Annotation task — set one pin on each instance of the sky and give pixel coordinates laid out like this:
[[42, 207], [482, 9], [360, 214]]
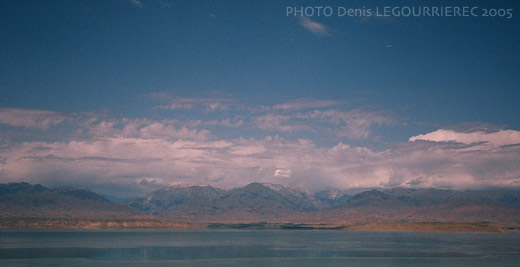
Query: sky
[[127, 96]]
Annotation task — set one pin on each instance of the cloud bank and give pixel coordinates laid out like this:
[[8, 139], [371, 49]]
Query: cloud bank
[[133, 156]]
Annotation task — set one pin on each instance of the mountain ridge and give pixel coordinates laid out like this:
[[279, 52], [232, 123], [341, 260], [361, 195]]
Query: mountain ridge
[[262, 202], [26, 200]]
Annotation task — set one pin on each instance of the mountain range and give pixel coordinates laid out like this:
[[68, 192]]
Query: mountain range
[[500, 207], [24, 200], [253, 202], [262, 202]]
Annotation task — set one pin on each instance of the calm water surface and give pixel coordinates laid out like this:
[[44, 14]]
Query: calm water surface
[[256, 248]]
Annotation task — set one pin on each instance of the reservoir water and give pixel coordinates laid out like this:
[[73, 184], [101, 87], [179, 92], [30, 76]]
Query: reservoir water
[[256, 248]]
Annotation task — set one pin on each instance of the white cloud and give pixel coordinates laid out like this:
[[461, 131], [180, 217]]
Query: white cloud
[[142, 128], [136, 3], [353, 124], [247, 150], [301, 104], [314, 27], [31, 118], [498, 138], [160, 130], [143, 153], [209, 103], [279, 122], [236, 122], [283, 173], [310, 115], [235, 162]]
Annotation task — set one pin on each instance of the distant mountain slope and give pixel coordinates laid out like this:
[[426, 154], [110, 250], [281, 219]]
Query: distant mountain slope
[[160, 200], [262, 202], [277, 203], [428, 205], [25, 200], [330, 198], [256, 201]]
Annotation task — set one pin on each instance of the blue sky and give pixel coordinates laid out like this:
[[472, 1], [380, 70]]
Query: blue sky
[[233, 74]]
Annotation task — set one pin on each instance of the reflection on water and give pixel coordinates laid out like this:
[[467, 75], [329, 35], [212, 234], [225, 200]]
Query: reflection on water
[[259, 248]]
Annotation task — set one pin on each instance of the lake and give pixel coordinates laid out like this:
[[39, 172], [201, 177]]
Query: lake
[[256, 248]]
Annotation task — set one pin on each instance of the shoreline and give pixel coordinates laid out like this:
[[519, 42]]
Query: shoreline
[[159, 224]]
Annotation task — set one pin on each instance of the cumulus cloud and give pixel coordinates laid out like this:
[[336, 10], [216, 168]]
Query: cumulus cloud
[[353, 124], [31, 118], [283, 173], [498, 138], [142, 128], [314, 27]]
